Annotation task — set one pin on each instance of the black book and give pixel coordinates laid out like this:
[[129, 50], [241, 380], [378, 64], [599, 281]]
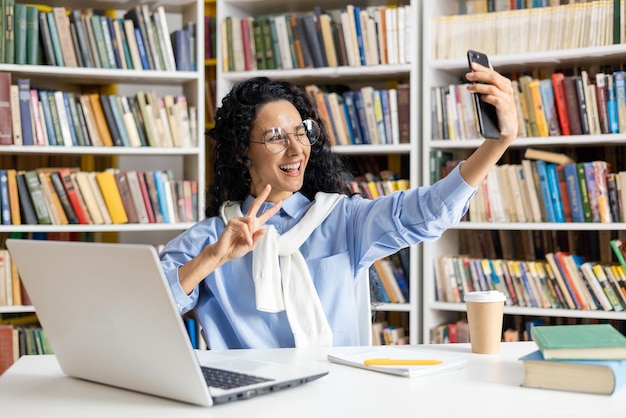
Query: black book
[[46, 40], [27, 210], [313, 41], [57, 183], [108, 115]]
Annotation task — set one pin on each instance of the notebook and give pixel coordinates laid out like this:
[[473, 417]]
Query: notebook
[[110, 317], [396, 360]]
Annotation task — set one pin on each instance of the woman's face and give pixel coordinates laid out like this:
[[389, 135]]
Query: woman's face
[[284, 171]]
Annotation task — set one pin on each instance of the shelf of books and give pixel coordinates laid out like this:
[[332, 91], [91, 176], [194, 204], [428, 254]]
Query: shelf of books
[[100, 108], [545, 224], [356, 61]]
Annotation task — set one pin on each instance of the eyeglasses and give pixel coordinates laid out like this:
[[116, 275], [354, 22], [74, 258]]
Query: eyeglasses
[[277, 139]]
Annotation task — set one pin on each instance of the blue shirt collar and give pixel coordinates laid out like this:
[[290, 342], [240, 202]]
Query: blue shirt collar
[[295, 206]]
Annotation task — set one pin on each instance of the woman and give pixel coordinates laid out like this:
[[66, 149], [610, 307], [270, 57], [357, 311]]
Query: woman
[[275, 261]]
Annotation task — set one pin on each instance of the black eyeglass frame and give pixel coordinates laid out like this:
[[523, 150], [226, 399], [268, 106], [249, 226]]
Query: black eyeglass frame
[[312, 132]]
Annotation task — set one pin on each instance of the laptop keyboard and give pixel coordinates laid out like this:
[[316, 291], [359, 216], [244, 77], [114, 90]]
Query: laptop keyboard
[[227, 379]]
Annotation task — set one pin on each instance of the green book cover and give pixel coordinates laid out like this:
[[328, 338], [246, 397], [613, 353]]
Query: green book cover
[[32, 35], [580, 342], [119, 23], [19, 33], [96, 27], [37, 197], [56, 121], [54, 37], [75, 119], [616, 245], [584, 195], [9, 32], [259, 45]]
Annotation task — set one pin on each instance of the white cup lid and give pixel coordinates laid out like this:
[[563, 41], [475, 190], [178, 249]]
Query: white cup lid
[[485, 296]]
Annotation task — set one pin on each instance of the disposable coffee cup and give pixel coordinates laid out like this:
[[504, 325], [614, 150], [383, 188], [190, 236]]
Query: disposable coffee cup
[[484, 316]]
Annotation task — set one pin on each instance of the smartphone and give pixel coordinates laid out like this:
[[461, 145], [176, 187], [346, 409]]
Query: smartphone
[[486, 112]]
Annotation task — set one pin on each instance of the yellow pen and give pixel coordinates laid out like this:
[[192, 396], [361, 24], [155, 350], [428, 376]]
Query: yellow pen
[[401, 362]]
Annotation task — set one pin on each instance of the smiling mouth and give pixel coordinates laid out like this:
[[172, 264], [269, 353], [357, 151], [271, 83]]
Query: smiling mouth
[[288, 168]]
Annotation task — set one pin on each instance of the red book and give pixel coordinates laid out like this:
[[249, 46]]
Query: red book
[[565, 197], [6, 127], [404, 112], [561, 103], [6, 347], [569, 280], [145, 196], [72, 194]]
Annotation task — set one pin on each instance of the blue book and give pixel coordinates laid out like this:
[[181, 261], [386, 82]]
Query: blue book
[[5, 205], [384, 100], [545, 190], [380, 118], [620, 98], [360, 110], [379, 294], [359, 34], [611, 105], [70, 117], [549, 106], [573, 187], [23, 86], [586, 376], [141, 47], [555, 192], [526, 279], [47, 117], [180, 45], [353, 117], [159, 182], [192, 330], [119, 120], [109, 32]]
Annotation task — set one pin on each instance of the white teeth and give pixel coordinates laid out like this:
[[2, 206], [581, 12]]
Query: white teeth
[[290, 166]]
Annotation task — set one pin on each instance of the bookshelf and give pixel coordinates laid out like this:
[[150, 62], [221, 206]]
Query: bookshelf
[[441, 71], [186, 162], [403, 156]]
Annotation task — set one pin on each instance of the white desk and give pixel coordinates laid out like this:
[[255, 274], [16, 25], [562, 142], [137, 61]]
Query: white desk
[[489, 386]]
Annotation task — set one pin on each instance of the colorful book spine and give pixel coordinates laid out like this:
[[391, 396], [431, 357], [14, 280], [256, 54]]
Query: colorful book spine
[[573, 187]]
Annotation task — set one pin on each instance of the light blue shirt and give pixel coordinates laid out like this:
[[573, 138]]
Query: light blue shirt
[[356, 233]]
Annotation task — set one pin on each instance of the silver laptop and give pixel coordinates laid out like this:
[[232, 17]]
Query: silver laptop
[[110, 318]]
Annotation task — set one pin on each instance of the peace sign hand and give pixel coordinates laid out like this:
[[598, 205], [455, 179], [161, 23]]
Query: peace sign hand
[[242, 234]]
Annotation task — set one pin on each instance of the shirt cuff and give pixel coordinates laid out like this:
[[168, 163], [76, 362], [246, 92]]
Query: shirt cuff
[[454, 190], [183, 301]]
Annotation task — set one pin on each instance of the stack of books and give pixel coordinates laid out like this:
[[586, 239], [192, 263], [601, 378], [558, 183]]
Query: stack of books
[[580, 358]]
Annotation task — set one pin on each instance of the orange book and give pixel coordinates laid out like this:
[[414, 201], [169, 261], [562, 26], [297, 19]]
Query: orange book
[[112, 197], [101, 122], [14, 200], [569, 279], [56, 209], [561, 102]]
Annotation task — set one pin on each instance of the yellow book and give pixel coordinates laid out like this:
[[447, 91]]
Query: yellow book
[[527, 106], [14, 200], [112, 197], [537, 108]]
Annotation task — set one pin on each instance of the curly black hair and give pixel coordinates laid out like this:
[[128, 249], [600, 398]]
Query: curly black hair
[[325, 171]]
